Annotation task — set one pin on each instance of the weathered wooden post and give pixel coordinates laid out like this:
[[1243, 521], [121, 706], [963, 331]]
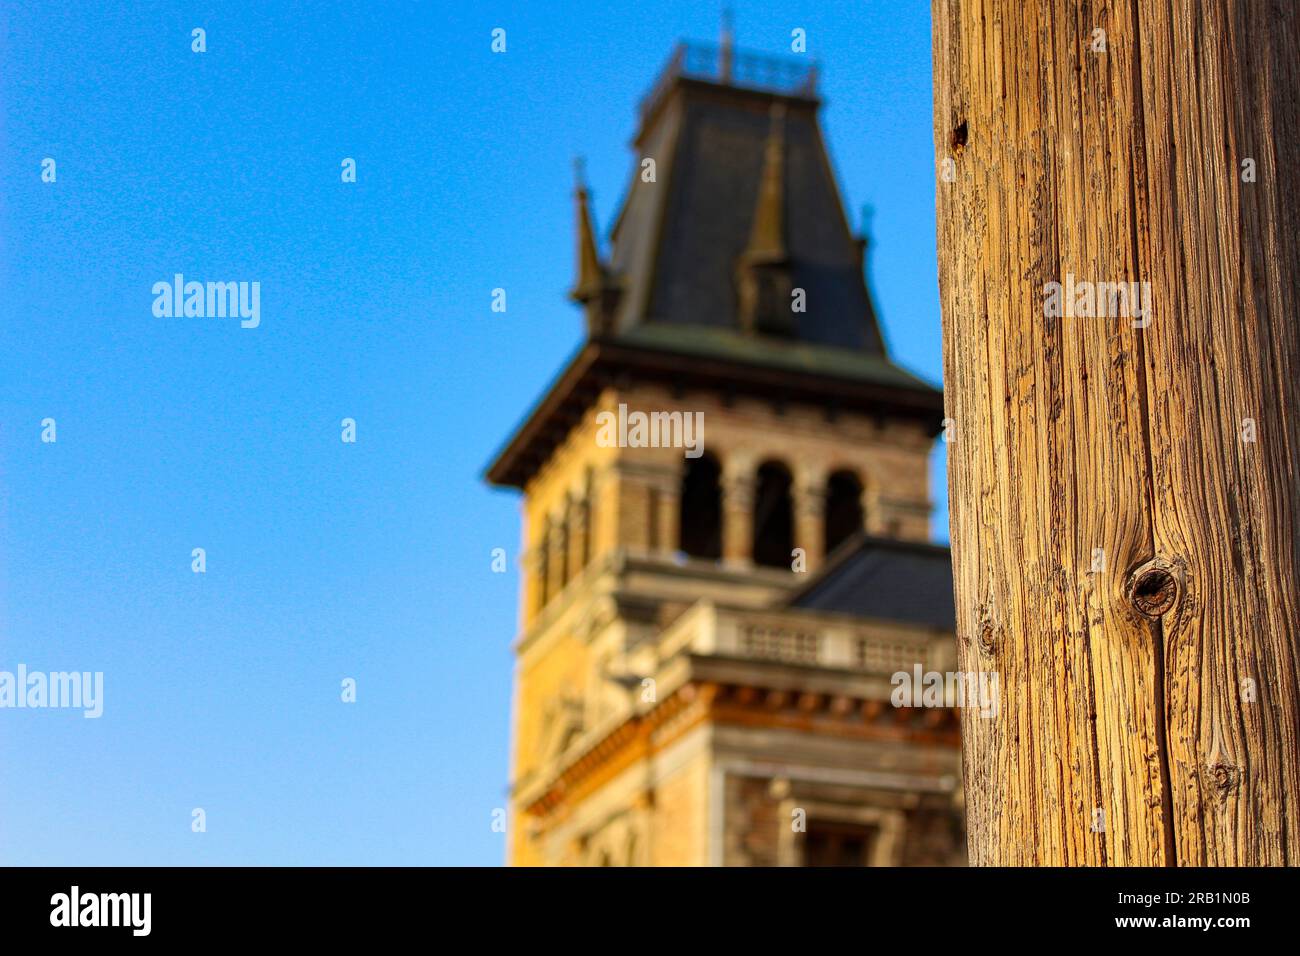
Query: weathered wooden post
[[1124, 460]]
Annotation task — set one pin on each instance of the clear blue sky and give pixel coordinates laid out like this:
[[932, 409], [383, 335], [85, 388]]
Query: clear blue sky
[[325, 560]]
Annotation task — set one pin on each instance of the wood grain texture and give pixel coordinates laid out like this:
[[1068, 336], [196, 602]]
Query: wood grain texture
[[1084, 449]]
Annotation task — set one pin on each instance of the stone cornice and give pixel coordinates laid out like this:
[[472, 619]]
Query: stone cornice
[[744, 705]]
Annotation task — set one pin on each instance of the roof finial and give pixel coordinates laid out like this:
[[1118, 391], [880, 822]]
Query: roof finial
[[590, 271], [725, 51], [863, 243], [767, 235], [764, 270]]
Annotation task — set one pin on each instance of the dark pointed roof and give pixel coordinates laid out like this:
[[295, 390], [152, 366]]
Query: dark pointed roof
[[677, 240]]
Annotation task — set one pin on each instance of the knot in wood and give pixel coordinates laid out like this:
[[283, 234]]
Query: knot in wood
[[1153, 589], [1224, 777], [960, 134]]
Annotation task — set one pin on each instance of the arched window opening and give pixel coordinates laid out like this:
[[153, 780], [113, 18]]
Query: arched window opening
[[843, 508], [773, 521], [562, 559], [586, 518], [701, 508], [543, 564]]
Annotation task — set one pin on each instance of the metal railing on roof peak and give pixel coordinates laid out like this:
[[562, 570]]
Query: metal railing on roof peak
[[722, 63]]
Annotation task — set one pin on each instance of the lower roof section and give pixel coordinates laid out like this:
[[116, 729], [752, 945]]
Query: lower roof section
[[885, 579]]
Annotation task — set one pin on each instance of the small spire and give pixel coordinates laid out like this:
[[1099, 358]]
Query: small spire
[[864, 234], [763, 273], [767, 234], [590, 271], [725, 48], [596, 290]]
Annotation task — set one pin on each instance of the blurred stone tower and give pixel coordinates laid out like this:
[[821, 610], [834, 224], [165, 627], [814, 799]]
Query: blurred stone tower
[[706, 646]]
